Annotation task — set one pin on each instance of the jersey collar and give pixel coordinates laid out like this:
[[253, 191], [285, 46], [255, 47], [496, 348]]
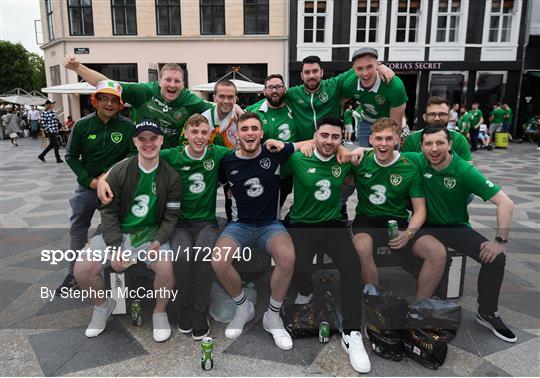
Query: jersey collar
[[373, 89], [148, 170], [322, 158], [396, 158], [265, 106], [193, 157]]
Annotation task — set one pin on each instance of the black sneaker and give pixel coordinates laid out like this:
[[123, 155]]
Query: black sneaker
[[201, 328], [69, 283], [185, 317], [494, 322]]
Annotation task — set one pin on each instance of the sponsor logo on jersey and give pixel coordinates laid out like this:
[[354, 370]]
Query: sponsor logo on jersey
[[380, 99], [178, 115], [166, 124], [154, 188], [428, 175], [265, 121], [186, 168], [370, 108], [489, 183], [312, 170], [265, 163], [395, 179], [323, 96], [367, 175], [336, 170], [92, 136], [449, 182], [209, 165], [116, 137]]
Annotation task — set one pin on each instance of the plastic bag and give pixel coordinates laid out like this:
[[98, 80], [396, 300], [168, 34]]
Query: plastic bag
[[222, 307], [304, 320], [431, 324], [385, 322]]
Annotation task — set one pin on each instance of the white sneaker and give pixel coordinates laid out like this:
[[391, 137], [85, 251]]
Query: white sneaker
[[99, 318], [275, 326], [303, 299], [162, 328], [243, 314], [354, 346]]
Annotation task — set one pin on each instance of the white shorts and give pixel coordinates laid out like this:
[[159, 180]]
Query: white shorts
[[348, 129]]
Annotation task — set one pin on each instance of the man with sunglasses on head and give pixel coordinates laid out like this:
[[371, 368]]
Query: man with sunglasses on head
[[96, 143]]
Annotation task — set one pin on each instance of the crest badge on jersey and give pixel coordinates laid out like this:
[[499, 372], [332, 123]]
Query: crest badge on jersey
[[323, 96], [336, 171], [449, 182], [116, 137], [380, 99], [395, 179], [178, 115], [154, 188], [265, 163], [209, 165]]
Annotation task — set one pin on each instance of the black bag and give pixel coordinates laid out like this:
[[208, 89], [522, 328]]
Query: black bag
[[304, 320], [385, 322], [431, 324]]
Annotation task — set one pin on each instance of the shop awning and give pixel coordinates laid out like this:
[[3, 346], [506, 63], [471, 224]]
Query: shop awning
[[21, 97], [73, 88]]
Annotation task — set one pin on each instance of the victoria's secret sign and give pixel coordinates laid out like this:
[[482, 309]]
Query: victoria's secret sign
[[413, 66]]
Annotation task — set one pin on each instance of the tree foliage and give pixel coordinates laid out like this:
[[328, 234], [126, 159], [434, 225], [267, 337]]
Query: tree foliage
[[20, 68]]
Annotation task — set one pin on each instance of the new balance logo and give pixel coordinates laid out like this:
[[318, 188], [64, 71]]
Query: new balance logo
[[92, 136], [311, 170], [367, 175], [428, 175], [234, 172], [185, 168]]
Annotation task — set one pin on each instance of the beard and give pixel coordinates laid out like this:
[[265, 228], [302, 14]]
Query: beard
[[275, 103], [437, 124]]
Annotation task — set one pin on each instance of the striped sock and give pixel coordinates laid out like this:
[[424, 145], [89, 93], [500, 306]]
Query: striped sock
[[240, 299], [274, 306]]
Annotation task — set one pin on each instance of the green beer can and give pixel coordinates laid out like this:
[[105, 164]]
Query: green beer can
[[136, 312], [324, 332], [393, 230], [207, 359]]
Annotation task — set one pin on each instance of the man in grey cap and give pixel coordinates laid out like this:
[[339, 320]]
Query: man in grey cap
[[377, 98]]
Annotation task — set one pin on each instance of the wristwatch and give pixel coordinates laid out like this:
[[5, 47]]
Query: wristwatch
[[410, 234], [500, 240]]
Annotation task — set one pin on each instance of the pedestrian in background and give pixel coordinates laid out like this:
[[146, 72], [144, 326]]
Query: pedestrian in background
[[13, 126], [33, 118], [49, 122]]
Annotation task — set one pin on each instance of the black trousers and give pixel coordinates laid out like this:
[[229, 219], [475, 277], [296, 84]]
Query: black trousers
[[335, 240], [53, 143], [467, 241], [474, 138]]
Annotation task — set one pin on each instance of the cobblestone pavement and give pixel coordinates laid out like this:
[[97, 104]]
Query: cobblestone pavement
[[39, 337]]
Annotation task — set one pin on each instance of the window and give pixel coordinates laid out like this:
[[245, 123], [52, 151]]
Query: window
[[50, 19], [448, 20], [55, 75], [168, 17], [367, 20], [500, 20], [212, 17], [408, 16], [124, 17], [80, 17], [255, 16], [315, 13]]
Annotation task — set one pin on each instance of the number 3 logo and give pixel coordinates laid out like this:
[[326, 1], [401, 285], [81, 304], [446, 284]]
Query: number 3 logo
[[379, 197], [324, 192], [198, 185], [140, 209], [255, 187]]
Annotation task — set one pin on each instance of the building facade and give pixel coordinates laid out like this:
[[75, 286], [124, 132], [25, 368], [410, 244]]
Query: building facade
[[464, 50], [129, 40]]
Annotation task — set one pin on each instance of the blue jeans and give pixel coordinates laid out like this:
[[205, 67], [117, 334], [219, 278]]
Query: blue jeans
[[247, 235]]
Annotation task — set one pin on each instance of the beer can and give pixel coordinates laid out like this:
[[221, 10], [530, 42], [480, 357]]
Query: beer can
[[207, 358], [324, 332], [136, 312], [393, 230]]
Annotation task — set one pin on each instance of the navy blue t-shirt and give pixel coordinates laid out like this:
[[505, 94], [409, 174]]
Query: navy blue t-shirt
[[255, 184]]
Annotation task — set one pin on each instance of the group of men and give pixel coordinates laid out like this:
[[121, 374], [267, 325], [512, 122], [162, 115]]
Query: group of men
[[164, 196]]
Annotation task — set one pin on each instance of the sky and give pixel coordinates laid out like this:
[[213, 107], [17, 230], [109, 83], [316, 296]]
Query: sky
[[17, 23]]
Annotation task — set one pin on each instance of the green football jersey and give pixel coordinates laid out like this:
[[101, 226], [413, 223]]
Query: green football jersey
[[508, 115], [141, 220], [384, 191], [377, 101], [348, 117], [498, 115], [447, 191], [464, 123], [308, 108], [460, 145], [277, 123], [475, 116], [148, 103], [199, 180], [317, 187]]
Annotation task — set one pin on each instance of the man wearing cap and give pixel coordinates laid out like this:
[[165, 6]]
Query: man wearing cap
[[377, 97], [166, 101], [96, 142], [139, 220], [49, 123]]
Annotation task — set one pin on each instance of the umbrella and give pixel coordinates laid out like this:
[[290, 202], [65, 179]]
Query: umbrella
[[21, 97], [242, 86], [73, 88]]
